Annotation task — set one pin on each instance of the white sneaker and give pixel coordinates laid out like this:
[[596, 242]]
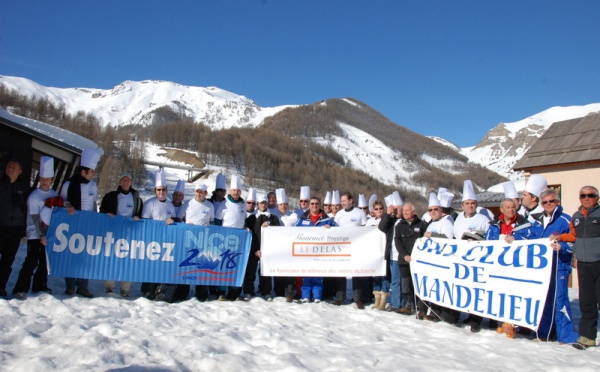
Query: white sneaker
[[305, 300], [317, 301]]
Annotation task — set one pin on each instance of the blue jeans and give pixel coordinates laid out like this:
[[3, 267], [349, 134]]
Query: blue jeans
[[395, 285]]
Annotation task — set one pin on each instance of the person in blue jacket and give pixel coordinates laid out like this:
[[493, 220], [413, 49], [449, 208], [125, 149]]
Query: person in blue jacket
[[556, 317], [314, 217]]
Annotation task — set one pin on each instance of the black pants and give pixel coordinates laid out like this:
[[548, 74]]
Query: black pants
[[588, 274], [10, 238], [265, 284], [36, 257], [250, 275]]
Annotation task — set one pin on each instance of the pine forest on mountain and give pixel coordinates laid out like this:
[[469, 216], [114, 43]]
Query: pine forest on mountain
[[279, 153]]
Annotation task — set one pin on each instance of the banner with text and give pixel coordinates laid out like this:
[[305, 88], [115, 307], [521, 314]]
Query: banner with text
[[492, 279], [322, 252], [96, 246]]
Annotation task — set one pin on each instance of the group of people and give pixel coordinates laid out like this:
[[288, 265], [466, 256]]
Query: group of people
[[536, 213]]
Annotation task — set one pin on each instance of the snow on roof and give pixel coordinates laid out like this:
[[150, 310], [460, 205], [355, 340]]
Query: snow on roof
[[57, 136]]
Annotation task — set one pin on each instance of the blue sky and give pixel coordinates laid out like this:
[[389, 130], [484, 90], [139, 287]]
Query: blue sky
[[453, 69]]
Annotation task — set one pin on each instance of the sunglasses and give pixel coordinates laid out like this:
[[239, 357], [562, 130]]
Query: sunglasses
[[591, 196], [378, 209], [364, 208], [161, 189], [250, 203], [549, 201], [315, 203], [433, 210]]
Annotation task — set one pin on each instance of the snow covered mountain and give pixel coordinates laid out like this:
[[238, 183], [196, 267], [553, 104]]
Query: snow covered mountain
[[505, 144], [143, 102]]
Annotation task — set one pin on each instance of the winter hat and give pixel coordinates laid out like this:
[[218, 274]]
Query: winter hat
[[159, 179], [220, 182], [433, 200], [335, 198], [251, 195], [510, 191], [397, 199], [536, 184], [201, 186], [362, 201], [89, 158], [281, 196], [305, 193], [327, 199], [469, 191], [236, 182], [446, 200], [46, 167], [128, 175], [180, 187]]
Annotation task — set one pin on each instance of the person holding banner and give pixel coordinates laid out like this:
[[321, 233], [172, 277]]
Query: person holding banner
[[350, 216], [36, 235], [441, 226], [262, 218], [81, 193], [389, 286], [218, 198], [530, 198], [509, 226], [284, 286], [159, 208], [584, 231], [199, 211], [177, 199], [314, 217], [234, 216], [556, 317], [407, 231], [124, 202]]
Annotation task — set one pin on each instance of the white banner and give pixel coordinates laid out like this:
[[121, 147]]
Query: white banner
[[322, 252], [492, 279]]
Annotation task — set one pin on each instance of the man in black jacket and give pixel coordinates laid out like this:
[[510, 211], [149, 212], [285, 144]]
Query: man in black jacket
[[125, 202], [408, 230], [13, 212]]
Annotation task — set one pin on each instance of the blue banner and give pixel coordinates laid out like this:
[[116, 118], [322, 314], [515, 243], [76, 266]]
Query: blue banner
[[91, 245]]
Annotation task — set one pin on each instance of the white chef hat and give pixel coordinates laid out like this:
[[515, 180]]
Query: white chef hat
[[220, 182], [236, 182], [536, 184], [335, 198], [362, 201], [46, 167], [201, 186], [261, 198], [89, 158], [159, 179], [510, 191], [327, 199], [305, 193], [397, 199], [251, 195], [281, 196], [469, 191], [372, 200], [446, 200], [389, 200], [180, 187], [433, 200]]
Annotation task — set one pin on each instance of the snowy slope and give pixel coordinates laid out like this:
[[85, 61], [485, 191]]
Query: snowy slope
[[136, 101], [505, 144]]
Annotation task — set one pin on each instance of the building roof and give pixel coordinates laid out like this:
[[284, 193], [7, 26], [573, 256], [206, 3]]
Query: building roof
[[565, 142], [59, 137]]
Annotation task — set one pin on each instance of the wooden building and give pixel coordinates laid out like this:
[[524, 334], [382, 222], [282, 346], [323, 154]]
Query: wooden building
[[28, 140]]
